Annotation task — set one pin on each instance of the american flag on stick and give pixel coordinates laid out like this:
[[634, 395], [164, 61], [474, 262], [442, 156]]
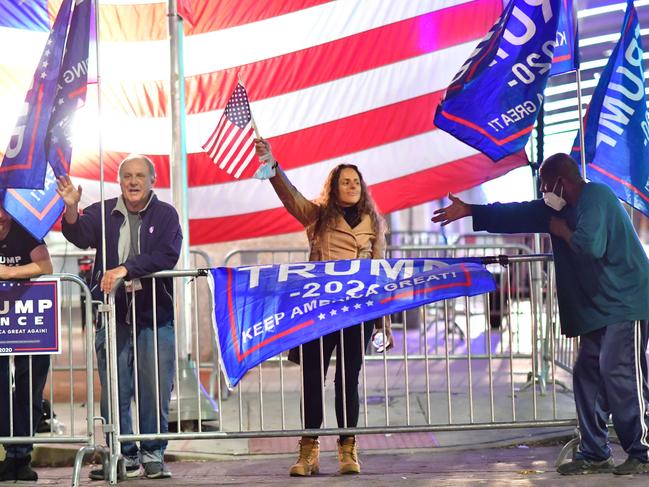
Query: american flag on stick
[[231, 145]]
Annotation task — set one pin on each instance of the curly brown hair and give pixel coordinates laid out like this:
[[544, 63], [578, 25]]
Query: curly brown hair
[[328, 201]]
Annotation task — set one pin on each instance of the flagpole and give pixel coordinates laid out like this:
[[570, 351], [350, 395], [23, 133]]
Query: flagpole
[[254, 125], [99, 140], [252, 119], [177, 167], [582, 148], [189, 392], [111, 351]]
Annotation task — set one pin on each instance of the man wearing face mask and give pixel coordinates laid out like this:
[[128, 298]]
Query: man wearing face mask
[[603, 293]]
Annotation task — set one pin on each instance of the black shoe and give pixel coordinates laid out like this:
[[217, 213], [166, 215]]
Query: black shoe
[[23, 469], [18, 469], [132, 471], [631, 466], [583, 467], [7, 469], [97, 474]]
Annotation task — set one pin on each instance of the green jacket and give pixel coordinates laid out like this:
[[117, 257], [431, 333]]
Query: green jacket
[[603, 275]]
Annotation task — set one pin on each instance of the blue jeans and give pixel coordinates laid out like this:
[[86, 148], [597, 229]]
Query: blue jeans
[[150, 450], [40, 366]]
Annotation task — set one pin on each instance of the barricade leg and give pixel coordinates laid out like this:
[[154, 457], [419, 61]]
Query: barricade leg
[[568, 451], [78, 461], [110, 390]]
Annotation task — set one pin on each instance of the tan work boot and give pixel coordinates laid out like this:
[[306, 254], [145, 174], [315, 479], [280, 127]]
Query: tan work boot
[[348, 456], [309, 460]]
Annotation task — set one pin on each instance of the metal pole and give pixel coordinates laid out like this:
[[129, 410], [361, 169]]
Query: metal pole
[[100, 148], [178, 167], [110, 350], [582, 149], [540, 135], [187, 400]]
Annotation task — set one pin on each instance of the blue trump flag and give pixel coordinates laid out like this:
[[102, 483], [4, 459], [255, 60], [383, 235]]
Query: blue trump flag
[[24, 163], [71, 92], [261, 311], [616, 134], [38, 209], [494, 100], [566, 50]]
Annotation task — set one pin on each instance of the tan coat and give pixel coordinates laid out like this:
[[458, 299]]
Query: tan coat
[[339, 240]]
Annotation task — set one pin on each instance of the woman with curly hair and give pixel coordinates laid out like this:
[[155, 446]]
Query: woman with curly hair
[[343, 223]]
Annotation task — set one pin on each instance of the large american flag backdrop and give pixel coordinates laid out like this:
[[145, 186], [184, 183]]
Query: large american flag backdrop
[[329, 81]]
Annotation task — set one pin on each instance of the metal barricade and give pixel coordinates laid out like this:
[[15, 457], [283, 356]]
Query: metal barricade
[[518, 286], [413, 317], [199, 295], [69, 389], [436, 381], [114, 376], [484, 238], [421, 237]]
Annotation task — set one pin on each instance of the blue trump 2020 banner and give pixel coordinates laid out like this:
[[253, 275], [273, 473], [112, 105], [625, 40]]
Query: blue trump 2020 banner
[[30, 317], [616, 135], [38, 209], [25, 161], [494, 100], [566, 50], [261, 311]]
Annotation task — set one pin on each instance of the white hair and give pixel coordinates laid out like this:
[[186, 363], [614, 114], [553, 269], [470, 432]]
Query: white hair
[[134, 157]]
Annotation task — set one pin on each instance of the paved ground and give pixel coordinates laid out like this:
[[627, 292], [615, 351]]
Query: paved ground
[[519, 465], [417, 395]]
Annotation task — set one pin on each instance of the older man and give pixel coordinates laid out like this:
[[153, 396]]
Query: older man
[[142, 236], [603, 294], [21, 257]]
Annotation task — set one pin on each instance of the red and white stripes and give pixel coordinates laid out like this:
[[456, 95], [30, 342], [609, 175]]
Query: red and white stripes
[[350, 80]]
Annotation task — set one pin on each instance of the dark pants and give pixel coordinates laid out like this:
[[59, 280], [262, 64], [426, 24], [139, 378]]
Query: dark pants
[[21, 403], [610, 379], [312, 385]]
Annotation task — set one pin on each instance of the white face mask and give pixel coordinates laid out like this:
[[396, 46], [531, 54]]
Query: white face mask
[[552, 200]]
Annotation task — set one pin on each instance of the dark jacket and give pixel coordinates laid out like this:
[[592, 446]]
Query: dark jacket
[[602, 275], [160, 239]]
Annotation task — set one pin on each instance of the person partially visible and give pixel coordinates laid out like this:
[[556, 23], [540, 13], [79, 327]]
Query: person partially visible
[[143, 236], [602, 274], [21, 257], [342, 224]]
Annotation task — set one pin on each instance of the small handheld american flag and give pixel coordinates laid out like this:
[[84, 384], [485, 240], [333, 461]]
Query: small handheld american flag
[[232, 144]]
